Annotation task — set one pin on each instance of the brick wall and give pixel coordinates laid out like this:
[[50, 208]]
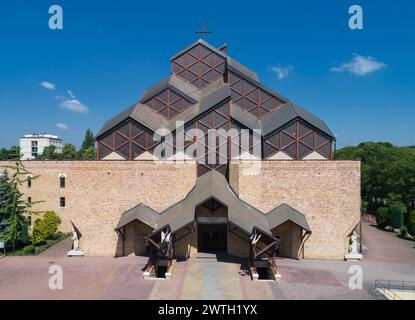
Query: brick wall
[[98, 192], [326, 192]]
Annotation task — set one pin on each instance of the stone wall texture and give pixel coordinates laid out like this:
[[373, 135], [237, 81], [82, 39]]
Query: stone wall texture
[[326, 192], [97, 193]]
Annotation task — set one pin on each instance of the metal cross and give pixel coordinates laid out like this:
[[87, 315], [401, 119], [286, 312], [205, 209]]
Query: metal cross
[[203, 32]]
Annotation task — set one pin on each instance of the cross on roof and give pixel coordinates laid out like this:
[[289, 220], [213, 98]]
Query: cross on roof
[[203, 32]]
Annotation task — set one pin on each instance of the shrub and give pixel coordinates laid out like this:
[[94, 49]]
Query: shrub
[[28, 250], [411, 223], [395, 214], [51, 221], [403, 232], [364, 206], [382, 217], [39, 232], [46, 228], [59, 236]]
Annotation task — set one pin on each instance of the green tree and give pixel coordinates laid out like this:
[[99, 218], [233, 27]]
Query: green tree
[[382, 216], [39, 232], [69, 152], [14, 208], [395, 214], [363, 207], [411, 223], [45, 228], [388, 173], [51, 221], [49, 153], [89, 140], [88, 154], [10, 154], [87, 151], [5, 189]]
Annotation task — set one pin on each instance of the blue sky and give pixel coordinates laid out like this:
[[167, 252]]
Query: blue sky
[[361, 82]]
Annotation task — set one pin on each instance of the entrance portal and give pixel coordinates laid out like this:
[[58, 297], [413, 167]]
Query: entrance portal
[[212, 226], [212, 237]]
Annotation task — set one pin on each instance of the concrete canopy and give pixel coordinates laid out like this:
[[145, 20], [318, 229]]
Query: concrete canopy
[[214, 185], [141, 213], [284, 213]]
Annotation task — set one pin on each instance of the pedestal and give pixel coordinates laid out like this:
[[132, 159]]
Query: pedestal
[[353, 257], [74, 253]]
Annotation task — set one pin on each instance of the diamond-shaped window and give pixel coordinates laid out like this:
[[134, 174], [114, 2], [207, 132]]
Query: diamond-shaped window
[[168, 103], [199, 66]]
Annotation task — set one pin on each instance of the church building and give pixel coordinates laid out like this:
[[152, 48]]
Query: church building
[[209, 159]]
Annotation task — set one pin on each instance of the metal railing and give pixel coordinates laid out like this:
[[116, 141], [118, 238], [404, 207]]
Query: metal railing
[[388, 285]]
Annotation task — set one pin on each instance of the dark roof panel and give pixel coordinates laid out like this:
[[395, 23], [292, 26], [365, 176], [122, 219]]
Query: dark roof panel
[[209, 97], [238, 67], [116, 120], [141, 213], [175, 83], [287, 113], [200, 41], [285, 213]]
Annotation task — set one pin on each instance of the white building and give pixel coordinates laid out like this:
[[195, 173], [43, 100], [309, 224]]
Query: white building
[[32, 145]]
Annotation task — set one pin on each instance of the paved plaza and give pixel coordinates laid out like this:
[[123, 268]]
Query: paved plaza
[[386, 257]]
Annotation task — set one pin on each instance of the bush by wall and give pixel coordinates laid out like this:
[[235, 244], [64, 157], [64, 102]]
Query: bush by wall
[[46, 228], [395, 214], [28, 250], [382, 216], [39, 232], [411, 223], [52, 221]]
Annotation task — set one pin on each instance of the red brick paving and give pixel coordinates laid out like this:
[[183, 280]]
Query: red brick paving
[[386, 257], [384, 246]]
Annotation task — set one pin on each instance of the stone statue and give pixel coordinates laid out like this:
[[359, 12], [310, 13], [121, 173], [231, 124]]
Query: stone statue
[[353, 251], [75, 245], [75, 252], [353, 243]]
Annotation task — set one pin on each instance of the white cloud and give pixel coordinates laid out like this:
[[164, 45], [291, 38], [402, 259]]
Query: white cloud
[[360, 65], [281, 72], [48, 85], [71, 95], [74, 105], [62, 126]]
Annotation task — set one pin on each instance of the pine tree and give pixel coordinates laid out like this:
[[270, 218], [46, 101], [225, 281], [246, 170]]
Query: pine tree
[[13, 209], [89, 140], [87, 151], [5, 189], [69, 152]]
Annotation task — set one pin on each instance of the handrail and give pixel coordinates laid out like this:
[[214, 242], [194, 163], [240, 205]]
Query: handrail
[[387, 285], [397, 284]]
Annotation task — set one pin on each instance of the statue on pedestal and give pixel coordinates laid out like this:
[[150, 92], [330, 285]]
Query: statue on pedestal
[[75, 252], [353, 251]]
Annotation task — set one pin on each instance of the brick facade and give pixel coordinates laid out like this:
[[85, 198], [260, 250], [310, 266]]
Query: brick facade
[[98, 192], [326, 192]]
